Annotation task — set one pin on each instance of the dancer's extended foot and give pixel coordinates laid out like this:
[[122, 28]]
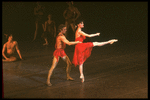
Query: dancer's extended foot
[[45, 44], [69, 78], [82, 79], [112, 41], [48, 83]]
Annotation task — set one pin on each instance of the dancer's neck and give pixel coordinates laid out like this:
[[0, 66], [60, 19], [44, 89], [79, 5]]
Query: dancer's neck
[[79, 29]]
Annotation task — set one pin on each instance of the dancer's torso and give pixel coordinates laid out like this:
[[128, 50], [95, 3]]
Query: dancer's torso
[[59, 43], [71, 14], [11, 47], [50, 26], [79, 37]]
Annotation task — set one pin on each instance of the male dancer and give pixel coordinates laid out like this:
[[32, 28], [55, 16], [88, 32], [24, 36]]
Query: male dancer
[[59, 52]]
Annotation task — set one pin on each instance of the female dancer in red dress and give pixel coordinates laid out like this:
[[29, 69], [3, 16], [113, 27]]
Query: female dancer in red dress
[[83, 50]]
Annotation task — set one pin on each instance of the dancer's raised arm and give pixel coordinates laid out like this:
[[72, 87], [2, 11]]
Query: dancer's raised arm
[[88, 35]]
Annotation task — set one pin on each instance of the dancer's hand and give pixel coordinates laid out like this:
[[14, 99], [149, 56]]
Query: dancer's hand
[[98, 34], [79, 42], [7, 58], [21, 57]]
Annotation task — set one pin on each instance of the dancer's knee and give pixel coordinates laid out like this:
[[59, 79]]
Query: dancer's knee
[[68, 61], [13, 58]]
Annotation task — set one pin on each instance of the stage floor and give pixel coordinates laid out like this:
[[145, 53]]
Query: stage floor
[[112, 71]]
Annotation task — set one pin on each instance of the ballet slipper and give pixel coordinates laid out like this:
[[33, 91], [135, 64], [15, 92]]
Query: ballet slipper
[[48, 83], [69, 78], [82, 79]]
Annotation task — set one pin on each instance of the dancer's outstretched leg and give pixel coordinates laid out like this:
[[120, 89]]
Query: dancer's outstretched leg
[[68, 69], [81, 72], [51, 70], [104, 43], [73, 27], [36, 28]]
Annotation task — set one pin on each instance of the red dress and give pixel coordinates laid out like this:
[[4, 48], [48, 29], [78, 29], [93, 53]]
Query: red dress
[[59, 52], [82, 51]]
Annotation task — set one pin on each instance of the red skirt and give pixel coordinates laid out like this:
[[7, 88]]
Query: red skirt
[[82, 52], [59, 53]]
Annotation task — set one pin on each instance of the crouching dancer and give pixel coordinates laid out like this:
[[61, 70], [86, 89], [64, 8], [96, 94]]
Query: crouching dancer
[[10, 46]]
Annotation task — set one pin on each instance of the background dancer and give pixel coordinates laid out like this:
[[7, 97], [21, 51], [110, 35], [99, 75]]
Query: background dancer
[[39, 13], [49, 31], [71, 14]]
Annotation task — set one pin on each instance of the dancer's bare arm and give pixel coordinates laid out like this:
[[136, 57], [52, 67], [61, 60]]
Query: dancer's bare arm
[[88, 35], [78, 13], [64, 14], [44, 26], [4, 48], [54, 29], [17, 49], [63, 38]]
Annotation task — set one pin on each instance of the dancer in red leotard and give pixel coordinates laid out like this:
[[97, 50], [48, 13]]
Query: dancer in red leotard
[[83, 50]]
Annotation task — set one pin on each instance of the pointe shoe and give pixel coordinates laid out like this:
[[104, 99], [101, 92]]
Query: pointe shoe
[[48, 83], [69, 78], [82, 79], [113, 40]]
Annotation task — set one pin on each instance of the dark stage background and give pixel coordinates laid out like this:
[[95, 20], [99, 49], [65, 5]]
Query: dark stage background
[[125, 21]]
